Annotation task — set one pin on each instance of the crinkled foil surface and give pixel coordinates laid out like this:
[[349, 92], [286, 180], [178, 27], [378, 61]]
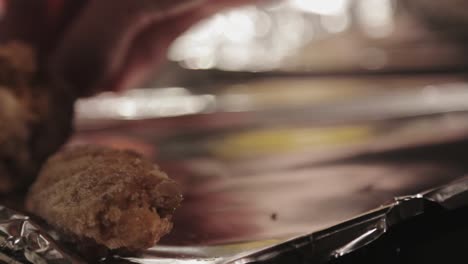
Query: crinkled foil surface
[[280, 186], [23, 241]]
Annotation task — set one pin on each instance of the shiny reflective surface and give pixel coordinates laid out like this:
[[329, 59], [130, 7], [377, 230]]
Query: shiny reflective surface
[[252, 190], [322, 99], [23, 241], [339, 243], [261, 167], [316, 36]]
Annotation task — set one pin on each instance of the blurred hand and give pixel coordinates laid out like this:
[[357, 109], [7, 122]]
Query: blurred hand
[[95, 45]]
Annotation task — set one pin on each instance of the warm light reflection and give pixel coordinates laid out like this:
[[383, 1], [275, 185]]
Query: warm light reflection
[[240, 26], [376, 17], [145, 103], [322, 7], [250, 37], [177, 101], [266, 37]]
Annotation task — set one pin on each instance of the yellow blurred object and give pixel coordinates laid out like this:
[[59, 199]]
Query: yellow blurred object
[[277, 92], [265, 142]]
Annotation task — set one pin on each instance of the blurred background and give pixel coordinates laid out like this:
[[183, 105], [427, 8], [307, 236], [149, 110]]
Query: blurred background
[[299, 52], [290, 116]]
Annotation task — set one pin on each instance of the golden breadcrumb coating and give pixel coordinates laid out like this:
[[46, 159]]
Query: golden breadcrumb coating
[[114, 198]]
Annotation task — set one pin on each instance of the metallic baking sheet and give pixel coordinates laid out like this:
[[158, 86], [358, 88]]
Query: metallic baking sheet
[[23, 241], [261, 184]]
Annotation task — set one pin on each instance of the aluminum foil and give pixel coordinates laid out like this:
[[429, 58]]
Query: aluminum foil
[[23, 241], [241, 185]]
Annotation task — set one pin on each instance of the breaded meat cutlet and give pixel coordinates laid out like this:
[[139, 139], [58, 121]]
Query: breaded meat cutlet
[[114, 198], [35, 119]]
